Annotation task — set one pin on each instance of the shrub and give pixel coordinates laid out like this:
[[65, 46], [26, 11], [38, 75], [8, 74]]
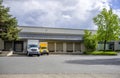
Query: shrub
[[90, 41], [101, 53]]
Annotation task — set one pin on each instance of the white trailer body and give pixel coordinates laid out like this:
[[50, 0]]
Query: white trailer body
[[36, 42], [33, 47]]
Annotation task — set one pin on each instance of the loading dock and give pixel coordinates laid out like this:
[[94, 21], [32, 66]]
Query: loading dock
[[51, 47], [8, 45], [77, 47], [59, 39], [59, 46], [18, 46], [69, 47]]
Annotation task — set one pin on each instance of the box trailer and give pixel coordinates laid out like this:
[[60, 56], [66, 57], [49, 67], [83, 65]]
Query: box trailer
[[33, 47]]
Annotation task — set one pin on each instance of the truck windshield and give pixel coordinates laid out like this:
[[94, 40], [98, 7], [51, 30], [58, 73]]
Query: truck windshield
[[43, 47], [32, 46]]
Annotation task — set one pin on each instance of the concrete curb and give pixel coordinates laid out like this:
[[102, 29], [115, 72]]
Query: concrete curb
[[85, 75]]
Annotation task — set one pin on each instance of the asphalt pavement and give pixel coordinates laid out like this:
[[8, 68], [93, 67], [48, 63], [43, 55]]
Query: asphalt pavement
[[80, 65]]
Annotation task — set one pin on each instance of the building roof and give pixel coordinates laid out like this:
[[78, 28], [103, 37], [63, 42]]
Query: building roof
[[48, 30]]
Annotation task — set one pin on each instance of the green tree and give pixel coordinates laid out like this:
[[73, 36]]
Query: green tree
[[90, 41], [108, 26], [8, 24]]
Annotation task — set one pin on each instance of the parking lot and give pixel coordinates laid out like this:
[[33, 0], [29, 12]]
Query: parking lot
[[60, 64]]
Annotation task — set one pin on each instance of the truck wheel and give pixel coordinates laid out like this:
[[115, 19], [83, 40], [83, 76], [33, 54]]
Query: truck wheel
[[47, 53], [38, 55], [28, 54]]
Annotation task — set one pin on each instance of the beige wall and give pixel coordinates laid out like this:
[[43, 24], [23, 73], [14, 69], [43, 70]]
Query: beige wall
[[64, 46], [25, 46], [1, 44]]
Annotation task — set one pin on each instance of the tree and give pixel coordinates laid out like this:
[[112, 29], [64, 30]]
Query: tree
[[8, 25], [108, 26], [90, 41]]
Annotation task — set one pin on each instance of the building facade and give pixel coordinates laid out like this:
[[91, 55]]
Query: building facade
[[59, 39]]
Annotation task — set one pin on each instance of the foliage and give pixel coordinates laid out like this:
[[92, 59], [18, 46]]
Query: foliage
[[90, 41], [8, 24], [101, 53], [108, 26]]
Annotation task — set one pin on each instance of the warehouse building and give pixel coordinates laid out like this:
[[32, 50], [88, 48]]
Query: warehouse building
[[59, 39]]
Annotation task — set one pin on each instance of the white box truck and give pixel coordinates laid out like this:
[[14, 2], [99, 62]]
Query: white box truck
[[33, 47]]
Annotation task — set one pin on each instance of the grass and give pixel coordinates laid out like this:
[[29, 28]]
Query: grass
[[101, 53]]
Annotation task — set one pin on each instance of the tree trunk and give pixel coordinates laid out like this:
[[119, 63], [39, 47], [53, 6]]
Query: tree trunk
[[104, 45]]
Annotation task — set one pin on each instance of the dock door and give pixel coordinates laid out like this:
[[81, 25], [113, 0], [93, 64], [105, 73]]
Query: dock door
[[18, 46]]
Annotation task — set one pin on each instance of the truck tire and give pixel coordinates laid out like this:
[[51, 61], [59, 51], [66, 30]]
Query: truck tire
[[38, 55], [47, 53], [28, 54]]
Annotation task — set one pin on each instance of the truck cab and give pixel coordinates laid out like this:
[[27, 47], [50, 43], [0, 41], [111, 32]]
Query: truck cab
[[44, 48], [33, 50]]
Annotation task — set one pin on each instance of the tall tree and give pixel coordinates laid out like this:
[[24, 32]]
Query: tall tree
[[108, 26], [90, 41], [8, 24]]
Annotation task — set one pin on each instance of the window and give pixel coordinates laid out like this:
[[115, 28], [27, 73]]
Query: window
[[119, 43], [111, 46]]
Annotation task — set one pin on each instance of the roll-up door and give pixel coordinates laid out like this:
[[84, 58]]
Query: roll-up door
[[51, 46], [18, 46], [8, 45], [69, 47], [59, 47], [77, 47]]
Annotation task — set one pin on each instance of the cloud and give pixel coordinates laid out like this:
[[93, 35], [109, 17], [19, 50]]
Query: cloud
[[57, 13]]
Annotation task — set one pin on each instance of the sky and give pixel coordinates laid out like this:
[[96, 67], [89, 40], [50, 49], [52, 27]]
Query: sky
[[75, 14]]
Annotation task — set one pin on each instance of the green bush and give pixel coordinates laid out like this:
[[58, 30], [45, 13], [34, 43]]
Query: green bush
[[101, 53], [90, 41]]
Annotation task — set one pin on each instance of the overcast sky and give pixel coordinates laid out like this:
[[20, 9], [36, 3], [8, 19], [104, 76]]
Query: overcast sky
[[77, 14]]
